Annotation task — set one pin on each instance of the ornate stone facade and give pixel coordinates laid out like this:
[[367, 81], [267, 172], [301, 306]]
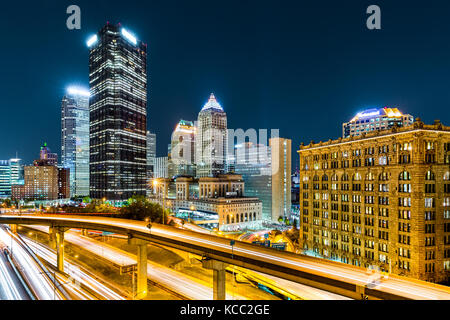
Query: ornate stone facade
[[380, 199]]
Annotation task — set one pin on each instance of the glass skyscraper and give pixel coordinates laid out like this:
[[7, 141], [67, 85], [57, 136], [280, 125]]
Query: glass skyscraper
[[151, 153], [75, 139], [182, 150], [212, 140], [5, 179], [11, 173], [118, 114]]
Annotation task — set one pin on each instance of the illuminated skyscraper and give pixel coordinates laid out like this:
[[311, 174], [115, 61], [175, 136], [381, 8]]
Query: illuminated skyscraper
[[266, 171], [182, 150], [75, 139], [118, 114], [151, 153], [211, 140], [375, 119], [5, 179]]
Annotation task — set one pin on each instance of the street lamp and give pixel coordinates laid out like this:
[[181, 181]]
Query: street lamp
[[149, 226]]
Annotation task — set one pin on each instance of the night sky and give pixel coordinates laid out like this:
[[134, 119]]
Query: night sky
[[303, 67]]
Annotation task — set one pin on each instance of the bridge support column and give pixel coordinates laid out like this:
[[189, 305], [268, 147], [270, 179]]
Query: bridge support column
[[60, 249], [52, 237], [13, 228], [361, 292], [142, 283], [219, 277]]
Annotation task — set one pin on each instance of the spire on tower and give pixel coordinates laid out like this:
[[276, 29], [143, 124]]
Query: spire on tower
[[212, 103]]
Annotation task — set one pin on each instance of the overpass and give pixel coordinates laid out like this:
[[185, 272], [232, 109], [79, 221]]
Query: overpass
[[217, 253]]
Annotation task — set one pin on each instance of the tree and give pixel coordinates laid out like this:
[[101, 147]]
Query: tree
[[140, 208], [86, 200]]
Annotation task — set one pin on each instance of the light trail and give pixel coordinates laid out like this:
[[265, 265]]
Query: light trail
[[188, 287], [7, 285], [76, 273], [407, 288], [39, 282]]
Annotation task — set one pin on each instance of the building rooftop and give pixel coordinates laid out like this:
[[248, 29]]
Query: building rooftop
[[371, 113], [212, 104], [417, 126]]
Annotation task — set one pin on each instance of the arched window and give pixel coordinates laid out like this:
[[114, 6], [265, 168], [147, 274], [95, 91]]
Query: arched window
[[334, 178], [242, 217], [404, 176], [447, 176], [325, 178], [370, 176], [246, 217], [429, 176], [254, 216], [316, 178], [305, 179], [345, 177], [228, 219], [384, 176], [356, 177]]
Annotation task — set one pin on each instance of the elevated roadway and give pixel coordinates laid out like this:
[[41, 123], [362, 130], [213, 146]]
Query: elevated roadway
[[334, 277]]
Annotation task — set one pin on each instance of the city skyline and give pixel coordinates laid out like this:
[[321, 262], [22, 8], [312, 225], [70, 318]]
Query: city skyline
[[208, 61]]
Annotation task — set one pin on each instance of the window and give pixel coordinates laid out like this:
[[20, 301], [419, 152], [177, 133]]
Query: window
[[404, 176], [429, 176]]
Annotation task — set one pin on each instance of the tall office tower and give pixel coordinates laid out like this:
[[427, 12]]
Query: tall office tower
[[151, 153], [118, 114], [75, 139], [254, 163], [5, 179], [47, 156], [17, 173], [382, 199], [182, 150], [281, 177], [151, 160], [266, 171], [211, 140], [375, 119], [161, 167]]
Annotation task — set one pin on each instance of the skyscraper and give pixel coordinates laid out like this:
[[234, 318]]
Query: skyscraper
[[266, 171], [11, 173], [118, 114], [182, 150], [211, 140], [5, 179], [16, 171], [254, 163], [151, 153], [75, 139], [281, 177]]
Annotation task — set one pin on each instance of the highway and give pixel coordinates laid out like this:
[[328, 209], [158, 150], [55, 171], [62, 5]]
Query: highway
[[77, 276], [176, 281], [11, 287], [34, 275], [330, 276]]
